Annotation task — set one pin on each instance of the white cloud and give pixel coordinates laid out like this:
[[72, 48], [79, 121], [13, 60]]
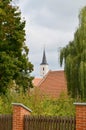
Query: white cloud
[[49, 22]]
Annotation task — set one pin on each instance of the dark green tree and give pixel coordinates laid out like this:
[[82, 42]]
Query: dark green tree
[[14, 62], [74, 57]]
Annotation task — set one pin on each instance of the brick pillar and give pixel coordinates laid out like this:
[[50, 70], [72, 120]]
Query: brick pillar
[[19, 110], [80, 116]]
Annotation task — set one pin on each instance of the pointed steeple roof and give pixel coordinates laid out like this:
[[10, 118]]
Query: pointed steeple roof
[[44, 61]]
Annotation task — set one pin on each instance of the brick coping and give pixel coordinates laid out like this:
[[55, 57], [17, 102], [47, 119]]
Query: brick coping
[[20, 104], [80, 104]]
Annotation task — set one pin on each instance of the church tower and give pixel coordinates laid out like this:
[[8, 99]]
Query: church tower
[[44, 65]]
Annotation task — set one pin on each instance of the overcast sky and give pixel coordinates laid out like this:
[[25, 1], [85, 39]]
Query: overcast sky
[[49, 23]]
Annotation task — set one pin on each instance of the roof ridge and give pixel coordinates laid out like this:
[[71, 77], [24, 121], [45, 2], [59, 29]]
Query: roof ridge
[[57, 70], [43, 79]]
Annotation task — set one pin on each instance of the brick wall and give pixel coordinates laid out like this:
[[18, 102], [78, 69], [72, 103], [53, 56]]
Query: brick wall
[[80, 116], [19, 110]]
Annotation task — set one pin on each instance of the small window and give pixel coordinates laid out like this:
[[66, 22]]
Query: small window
[[43, 68]]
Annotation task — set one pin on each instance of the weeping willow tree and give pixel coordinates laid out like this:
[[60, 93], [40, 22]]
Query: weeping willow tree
[[74, 58]]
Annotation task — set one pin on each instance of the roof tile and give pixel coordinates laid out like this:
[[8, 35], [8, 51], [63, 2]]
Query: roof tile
[[53, 84]]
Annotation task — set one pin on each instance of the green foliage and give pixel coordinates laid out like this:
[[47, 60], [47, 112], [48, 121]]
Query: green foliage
[[14, 62], [39, 105], [74, 55]]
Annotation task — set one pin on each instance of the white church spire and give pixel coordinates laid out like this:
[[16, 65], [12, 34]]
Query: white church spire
[[44, 65]]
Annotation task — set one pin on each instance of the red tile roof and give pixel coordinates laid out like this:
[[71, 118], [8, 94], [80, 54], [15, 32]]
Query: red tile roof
[[53, 84], [36, 81]]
